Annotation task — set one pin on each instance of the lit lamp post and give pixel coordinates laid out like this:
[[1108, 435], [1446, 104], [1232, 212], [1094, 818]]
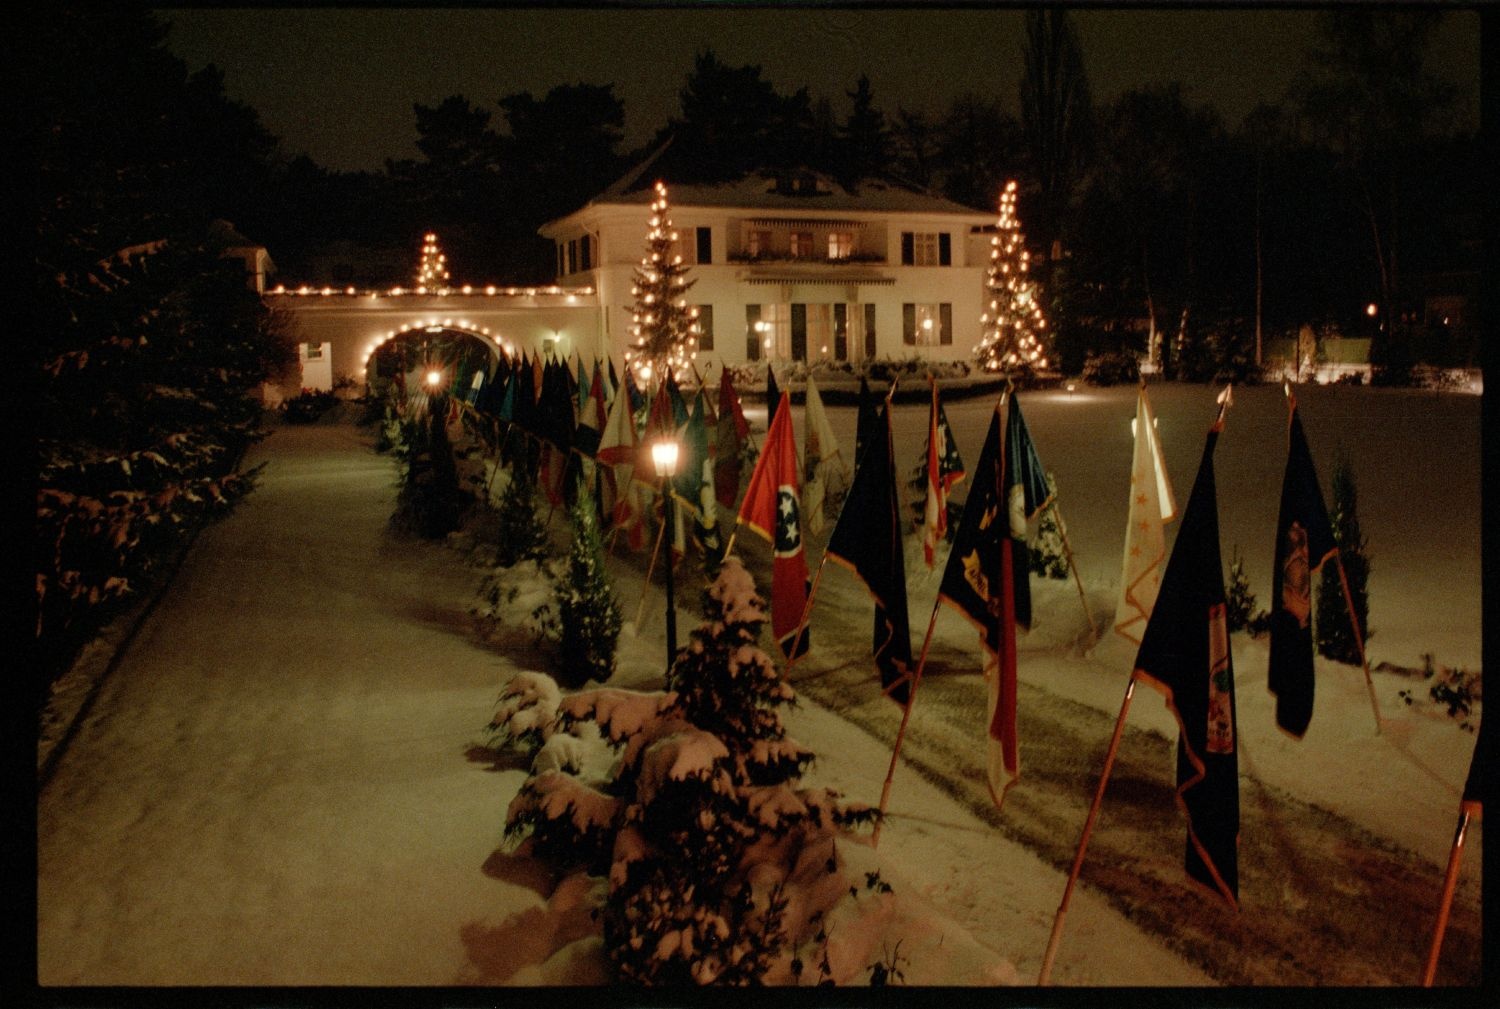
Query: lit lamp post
[[664, 458]]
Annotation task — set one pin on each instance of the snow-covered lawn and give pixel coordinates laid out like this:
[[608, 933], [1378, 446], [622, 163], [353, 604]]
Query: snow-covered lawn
[[276, 786]]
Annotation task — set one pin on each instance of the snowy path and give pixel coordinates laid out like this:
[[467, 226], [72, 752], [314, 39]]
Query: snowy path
[[273, 789]]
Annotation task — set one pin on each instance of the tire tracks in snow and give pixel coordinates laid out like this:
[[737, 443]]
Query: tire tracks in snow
[[1322, 900]]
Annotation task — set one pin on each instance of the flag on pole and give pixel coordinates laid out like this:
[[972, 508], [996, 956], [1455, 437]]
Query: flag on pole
[[733, 431], [591, 417], [822, 464], [698, 454], [977, 582], [866, 420], [944, 469], [619, 452], [771, 508], [1026, 493], [1152, 506], [867, 541], [1304, 540], [1185, 654]]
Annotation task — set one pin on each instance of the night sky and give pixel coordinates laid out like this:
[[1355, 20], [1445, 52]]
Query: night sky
[[339, 85]]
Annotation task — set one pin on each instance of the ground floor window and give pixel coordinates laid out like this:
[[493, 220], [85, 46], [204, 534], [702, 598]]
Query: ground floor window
[[705, 327], [810, 332], [926, 325]]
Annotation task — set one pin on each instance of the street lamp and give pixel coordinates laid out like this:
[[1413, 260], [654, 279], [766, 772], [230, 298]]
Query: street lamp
[[664, 458]]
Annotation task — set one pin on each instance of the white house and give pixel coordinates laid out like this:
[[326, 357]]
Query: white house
[[795, 269], [788, 270]]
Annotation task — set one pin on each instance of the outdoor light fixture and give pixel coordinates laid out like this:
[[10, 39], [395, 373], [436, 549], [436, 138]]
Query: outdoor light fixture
[[664, 458], [434, 378], [1371, 309]]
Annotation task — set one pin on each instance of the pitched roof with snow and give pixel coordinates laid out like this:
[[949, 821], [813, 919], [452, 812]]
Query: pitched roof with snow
[[766, 190]]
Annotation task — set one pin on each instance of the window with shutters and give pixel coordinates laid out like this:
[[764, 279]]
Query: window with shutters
[[573, 257], [705, 245], [840, 244], [802, 244], [758, 242]]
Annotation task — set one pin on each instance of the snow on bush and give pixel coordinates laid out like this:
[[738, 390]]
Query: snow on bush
[[704, 837], [525, 713]]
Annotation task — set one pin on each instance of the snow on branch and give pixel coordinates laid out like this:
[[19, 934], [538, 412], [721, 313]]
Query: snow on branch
[[620, 713]]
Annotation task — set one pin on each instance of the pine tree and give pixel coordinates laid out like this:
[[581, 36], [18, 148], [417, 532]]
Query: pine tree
[[703, 791], [1048, 558], [432, 271], [1013, 324], [1239, 600], [520, 535], [663, 326], [1335, 635], [588, 612]]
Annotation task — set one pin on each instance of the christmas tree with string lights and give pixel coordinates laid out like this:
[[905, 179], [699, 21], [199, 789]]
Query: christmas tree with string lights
[[432, 272], [664, 328], [1014, 324]]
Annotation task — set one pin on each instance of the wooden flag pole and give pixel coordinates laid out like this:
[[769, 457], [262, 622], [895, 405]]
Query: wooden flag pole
[[1450, 881], [1062, 531], [911, 697], [1045, 976], [1359, 640], [650, 568], [812, 594]]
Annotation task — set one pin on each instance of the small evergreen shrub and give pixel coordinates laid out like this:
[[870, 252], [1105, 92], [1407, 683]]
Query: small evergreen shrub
[[430, 500], [307, 406], [1240, 612], [1114, 367], [521, 535], [1335, 635], [587, 611]]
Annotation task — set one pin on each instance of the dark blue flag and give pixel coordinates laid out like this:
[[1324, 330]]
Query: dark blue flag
[[1185, 654], [867, 540], [1304, 540]]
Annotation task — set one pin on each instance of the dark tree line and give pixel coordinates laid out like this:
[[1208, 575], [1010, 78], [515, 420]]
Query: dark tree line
[[1345, 192]]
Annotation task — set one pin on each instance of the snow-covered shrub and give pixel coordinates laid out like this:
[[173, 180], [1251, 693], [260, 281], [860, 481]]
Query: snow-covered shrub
[[587, 611], [699, 822], [525, 713]]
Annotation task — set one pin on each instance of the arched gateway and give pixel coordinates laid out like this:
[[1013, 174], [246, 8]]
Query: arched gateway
[[349, 334]]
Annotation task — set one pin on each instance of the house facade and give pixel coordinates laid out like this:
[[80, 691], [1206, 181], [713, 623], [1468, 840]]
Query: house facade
[[785, 271], [792, 270]]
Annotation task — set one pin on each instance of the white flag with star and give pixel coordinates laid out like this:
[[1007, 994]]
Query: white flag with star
[[1152, 506]]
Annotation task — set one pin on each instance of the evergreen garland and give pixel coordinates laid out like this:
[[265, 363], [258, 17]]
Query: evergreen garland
[[588, 612], [1335, 635]]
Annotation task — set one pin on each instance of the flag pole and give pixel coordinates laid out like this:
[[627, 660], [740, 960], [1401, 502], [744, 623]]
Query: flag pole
[[1062, 530], [812, 594], [1358, 640], [650, 568], [1083, 842], [911, 697], [1450, 881]]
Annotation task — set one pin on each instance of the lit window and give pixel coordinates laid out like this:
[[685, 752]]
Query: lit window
[[927, 325], [758, 242], [840, 244], [802, 245]]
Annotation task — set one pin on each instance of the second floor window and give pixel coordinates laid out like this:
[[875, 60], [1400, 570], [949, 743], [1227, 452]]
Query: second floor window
[[840, 244], [758, 242], [926, 248], [802, 245]]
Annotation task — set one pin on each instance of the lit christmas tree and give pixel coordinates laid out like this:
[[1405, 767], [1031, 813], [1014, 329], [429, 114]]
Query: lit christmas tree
[[1013, 325], [664, 327], [432, 272]]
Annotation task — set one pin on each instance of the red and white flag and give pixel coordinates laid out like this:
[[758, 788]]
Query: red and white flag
[[771, 507]]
